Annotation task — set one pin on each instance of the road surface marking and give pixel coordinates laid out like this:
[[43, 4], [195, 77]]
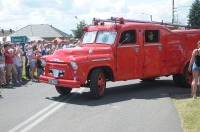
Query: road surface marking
[[59, 104]]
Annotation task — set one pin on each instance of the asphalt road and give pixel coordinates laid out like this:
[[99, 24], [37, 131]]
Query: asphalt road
[[128, 106]]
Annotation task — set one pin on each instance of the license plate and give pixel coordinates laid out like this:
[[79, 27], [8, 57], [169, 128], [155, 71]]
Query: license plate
[[53, 81]]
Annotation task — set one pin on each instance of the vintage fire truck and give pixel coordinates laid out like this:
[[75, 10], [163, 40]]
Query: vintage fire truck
[[119, 49]]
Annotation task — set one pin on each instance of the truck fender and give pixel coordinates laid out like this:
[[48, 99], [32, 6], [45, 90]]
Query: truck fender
[[184, 64], [107, 70]]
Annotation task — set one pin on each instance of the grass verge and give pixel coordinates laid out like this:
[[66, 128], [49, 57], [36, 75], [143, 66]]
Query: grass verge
[[189, 112]]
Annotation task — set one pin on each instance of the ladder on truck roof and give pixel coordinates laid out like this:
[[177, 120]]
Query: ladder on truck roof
[[121, 20]]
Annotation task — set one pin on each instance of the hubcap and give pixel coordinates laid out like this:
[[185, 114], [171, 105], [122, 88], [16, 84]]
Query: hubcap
[[101, 83], [189, 77]]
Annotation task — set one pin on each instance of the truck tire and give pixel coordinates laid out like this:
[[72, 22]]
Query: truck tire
[[177, 79], [183, 80], [97, 84], [63, 90]]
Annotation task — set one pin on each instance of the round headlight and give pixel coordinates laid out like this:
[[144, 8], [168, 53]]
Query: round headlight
[[43, 62], [74, 65]]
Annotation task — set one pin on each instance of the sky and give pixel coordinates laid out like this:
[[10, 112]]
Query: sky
[[16, 14]]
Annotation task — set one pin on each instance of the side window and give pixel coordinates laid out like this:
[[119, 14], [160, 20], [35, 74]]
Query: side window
[[152, 36], [128, 37]]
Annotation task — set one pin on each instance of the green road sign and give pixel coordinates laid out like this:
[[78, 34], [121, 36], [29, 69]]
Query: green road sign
[[19, 39]]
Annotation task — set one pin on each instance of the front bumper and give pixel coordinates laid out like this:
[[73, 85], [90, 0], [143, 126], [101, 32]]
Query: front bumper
[[61, 82]]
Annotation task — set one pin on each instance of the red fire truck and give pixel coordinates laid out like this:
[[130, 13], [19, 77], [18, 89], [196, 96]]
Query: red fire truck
[[119, 49]]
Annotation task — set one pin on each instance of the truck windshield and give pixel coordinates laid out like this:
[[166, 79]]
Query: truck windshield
[[105, 37]]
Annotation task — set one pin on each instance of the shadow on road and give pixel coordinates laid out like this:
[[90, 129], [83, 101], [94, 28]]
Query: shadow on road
[[141, 90], [24, 83]]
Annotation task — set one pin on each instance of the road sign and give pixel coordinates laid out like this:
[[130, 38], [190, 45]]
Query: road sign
[[19, 39]]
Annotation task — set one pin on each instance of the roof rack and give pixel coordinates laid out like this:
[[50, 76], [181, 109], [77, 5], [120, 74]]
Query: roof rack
[[121, 20]]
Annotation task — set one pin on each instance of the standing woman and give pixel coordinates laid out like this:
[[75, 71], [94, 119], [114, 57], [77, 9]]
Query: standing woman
[[27, 67], [2, 66], [194, 66]]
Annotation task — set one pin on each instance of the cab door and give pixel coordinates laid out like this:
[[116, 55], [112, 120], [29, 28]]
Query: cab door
[[153, 53], [128, 51]]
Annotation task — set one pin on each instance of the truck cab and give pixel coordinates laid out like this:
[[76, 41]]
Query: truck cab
[[117, 49]]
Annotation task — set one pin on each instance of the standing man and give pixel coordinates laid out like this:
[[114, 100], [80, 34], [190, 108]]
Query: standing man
[[11, 72]]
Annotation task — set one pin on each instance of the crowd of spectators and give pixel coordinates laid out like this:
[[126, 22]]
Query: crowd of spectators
[[13, 59]]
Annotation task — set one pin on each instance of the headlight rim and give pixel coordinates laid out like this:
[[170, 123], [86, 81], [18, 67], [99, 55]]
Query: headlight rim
[[74, 65]]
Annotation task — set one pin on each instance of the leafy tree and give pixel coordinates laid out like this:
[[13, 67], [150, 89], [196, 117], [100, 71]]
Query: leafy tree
[[194, 15], [78, 32]]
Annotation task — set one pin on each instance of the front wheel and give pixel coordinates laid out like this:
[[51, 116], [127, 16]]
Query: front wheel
[[63, 90], [97, 83]]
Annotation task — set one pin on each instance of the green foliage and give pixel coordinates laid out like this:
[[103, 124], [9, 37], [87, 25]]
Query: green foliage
[[194, 15], [78, 32]]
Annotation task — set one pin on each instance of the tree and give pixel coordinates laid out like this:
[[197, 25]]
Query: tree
[[78, 32], [194, 15]]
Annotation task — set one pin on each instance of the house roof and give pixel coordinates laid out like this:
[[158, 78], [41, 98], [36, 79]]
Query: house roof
[[5, 33], [40, 30]]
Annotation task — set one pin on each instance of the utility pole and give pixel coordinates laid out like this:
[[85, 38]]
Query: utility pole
[[81, 26], [177, 18], [173, 11], [148, 15], [77, 19]]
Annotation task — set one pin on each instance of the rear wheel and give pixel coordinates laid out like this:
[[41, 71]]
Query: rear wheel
[[63, 90], [177, 79], [183, 80], [97, 83]]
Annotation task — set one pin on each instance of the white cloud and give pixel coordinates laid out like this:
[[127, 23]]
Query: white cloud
[[61, 13]]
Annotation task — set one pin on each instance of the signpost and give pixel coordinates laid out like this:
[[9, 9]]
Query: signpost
[[21, 39]]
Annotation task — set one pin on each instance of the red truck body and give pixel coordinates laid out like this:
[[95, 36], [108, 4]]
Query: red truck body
[[121, 51]]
